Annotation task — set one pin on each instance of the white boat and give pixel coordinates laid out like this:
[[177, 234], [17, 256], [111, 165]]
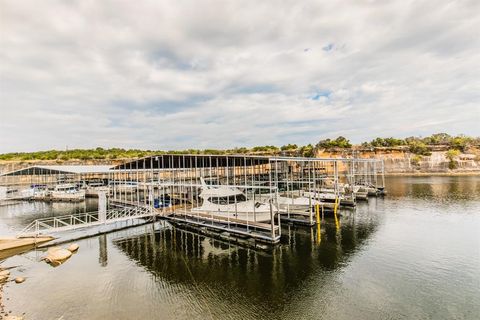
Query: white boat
[[360, 192], [230, 202], [296, 203], [35, 191], [67, 192], [124, 186], [93, 188]]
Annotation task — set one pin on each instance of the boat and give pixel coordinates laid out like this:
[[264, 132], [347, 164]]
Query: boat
[[67, 192], [36, 191], [360, 192], [331, 197], [303, 203], [92, 188], [231, 202], [126, 187]]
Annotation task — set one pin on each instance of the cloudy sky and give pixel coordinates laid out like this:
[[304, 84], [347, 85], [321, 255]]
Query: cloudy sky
[[218, 74]]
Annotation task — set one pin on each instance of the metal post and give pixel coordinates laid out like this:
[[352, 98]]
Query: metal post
[[272, 221]]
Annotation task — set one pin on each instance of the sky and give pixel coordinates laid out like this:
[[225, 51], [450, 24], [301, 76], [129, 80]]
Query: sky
[[200, 74]]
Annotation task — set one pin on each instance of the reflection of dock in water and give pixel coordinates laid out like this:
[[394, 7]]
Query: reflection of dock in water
[[103, 253], [188, 258]]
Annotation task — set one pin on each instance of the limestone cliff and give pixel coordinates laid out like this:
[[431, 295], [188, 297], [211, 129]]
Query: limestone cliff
[[400, 160]]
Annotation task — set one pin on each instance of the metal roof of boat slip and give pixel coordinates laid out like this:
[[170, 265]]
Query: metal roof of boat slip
[[184, 161], [180, 161], [58, 169]]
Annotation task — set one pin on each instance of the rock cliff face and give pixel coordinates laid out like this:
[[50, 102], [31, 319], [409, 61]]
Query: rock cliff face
[[400, 160]]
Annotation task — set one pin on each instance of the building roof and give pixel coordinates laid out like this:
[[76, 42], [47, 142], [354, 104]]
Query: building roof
[[57, 169]]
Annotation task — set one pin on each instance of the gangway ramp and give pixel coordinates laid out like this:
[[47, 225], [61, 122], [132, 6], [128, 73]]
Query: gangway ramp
[[51, 225]]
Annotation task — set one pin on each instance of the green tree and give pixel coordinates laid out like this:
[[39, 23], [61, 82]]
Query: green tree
[[289, 147], [340, 142], [461, 143], [307, 151], [418, 147]]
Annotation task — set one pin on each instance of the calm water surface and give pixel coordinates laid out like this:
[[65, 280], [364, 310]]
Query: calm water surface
[[414, 254]]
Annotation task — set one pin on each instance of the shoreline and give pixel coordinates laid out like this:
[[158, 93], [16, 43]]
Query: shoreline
[[433, 174]]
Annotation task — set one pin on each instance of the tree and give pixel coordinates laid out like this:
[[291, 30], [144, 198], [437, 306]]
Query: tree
[[418, 147], [340, 142], [270, 149], [307, 151], [289, 147], [460, 143], [438, 138]]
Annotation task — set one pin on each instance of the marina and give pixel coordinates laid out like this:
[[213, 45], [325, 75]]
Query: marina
[[185, 160], [244, 197]]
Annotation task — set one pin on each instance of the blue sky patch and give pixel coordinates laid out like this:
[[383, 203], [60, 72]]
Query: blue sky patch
[[328, 47], [320, 94]]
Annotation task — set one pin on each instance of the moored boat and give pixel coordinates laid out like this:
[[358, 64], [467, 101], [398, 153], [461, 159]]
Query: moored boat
[[231, 202], [67, 192]]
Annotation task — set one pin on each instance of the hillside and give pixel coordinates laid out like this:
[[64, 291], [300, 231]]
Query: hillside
[[439, 153]]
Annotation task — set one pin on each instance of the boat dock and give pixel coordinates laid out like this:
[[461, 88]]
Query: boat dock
[[232, 196]]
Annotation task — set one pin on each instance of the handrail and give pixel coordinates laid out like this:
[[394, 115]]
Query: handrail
[[81, 220]]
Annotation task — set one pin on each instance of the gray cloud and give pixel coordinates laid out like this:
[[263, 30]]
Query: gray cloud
[[198, 74]]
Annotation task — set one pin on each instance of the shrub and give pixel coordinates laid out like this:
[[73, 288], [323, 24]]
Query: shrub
[[415, 160], [419, 148], [451, 155]]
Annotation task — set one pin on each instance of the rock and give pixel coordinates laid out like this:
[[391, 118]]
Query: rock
[[56, 256], [4, 275], [19, 279], [73, 247]]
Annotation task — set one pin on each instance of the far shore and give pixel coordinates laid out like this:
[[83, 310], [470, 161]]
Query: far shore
[[426, 174]]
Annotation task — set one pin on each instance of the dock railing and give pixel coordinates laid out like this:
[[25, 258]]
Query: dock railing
[[82, 220]]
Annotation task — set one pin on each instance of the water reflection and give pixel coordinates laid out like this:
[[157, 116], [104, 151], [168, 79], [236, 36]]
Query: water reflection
[[102, 252], [440, 188], [270, 278], [16, 216]]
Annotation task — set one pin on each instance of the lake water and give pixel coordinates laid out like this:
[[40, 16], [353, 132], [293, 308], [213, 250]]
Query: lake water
[[414, 254]]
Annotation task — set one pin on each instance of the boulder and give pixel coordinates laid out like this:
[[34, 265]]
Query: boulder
[[56, 256], [19, 279], [73, 247]]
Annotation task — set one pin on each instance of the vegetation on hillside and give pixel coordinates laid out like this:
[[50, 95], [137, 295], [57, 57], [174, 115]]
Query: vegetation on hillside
[[417, 145], [423, 146], [340, 142], [451, 155]]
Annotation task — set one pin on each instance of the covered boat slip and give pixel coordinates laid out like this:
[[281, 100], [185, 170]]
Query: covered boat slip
[[243, 195], [238, 195], [34, 182], [53, 173]]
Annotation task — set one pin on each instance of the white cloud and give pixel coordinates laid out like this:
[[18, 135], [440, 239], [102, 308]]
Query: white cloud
[[198, 74]]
